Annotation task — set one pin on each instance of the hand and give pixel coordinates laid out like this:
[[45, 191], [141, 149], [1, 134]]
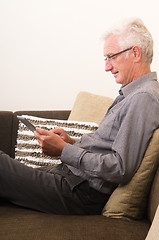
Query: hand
[[63, 135], [51, 144]]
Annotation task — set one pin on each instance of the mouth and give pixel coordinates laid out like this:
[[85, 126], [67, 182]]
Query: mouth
[[115, 74]]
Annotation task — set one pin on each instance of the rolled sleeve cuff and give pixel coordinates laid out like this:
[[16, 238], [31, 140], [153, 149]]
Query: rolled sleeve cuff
[[72, 155]]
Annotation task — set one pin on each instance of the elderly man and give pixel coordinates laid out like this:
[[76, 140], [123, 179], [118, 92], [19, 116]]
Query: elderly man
[[93, 166]]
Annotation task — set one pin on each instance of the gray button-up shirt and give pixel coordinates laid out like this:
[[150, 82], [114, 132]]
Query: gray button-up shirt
[[112, 154]]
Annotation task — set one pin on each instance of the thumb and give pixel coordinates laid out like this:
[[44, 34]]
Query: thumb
[[42, 131], [58, 131]]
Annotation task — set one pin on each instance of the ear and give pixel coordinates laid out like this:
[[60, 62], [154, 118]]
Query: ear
[[137, 53]]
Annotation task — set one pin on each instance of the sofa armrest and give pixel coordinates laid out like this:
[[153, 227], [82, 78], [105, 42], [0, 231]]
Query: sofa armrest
[[6, 124]]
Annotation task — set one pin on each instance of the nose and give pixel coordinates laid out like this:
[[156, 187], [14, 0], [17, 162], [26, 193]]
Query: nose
[[108, 66]]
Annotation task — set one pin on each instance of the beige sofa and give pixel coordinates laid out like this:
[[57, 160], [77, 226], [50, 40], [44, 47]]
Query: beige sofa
[[129, 212]]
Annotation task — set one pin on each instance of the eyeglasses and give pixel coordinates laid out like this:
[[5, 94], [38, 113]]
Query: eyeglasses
[[109, 58]]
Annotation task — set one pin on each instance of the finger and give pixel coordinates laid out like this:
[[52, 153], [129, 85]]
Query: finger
[[58, 131], [36, 134], [42, 131]]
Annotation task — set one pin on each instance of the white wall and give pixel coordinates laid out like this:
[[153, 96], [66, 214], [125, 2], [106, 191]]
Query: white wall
[[51, 49]]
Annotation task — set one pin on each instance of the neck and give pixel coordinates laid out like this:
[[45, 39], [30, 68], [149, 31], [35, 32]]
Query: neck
[[142, 70]]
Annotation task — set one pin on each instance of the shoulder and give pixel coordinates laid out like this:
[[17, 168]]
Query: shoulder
[[141, 102], [148, 93]]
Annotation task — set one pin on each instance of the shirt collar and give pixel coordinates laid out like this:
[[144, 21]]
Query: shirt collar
[[126, 90]]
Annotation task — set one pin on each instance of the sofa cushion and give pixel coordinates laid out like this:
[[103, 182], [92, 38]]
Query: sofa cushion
[[129, 201], [28, 150], [24, 224], [90, 107]]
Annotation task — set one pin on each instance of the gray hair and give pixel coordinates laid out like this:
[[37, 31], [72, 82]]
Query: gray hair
[[132, 32]]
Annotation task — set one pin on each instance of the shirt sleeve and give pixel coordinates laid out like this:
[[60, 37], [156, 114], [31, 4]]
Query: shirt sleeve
[[138, 119]]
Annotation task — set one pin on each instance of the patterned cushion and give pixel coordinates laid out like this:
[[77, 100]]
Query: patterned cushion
[[28, 149]]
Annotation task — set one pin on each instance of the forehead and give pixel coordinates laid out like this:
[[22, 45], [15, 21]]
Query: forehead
[[111, 45]]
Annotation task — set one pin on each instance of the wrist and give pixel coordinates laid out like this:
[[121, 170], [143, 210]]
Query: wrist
[[72, 141]]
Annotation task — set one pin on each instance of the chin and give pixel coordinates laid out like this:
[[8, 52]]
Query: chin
[[118, 80]]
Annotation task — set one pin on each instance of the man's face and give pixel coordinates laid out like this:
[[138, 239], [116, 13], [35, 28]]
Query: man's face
[[121, 67]]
